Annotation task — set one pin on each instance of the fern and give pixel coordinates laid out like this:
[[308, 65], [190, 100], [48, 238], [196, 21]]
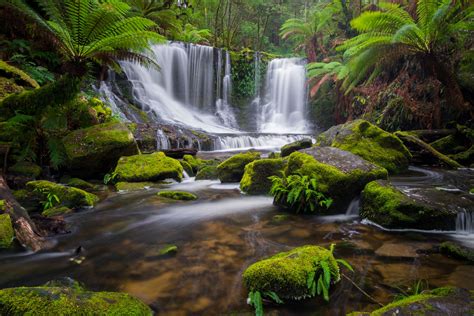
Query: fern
[[255, 299]]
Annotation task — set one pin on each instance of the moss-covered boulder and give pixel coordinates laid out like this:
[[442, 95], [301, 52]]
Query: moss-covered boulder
[[149, 167], [194, 162], [295, 146], [419, 208], [187, 167], [6, 231], [441, 301], [178, 195], [95, 150], [133, 186], [465, 158], [256, 177], [25, 168], [232, 169], [68, 299], [369, 142], [286, 273], [68, 196], [80, 184], [340, 174], [57, 211], [457, 251], [207, 173]]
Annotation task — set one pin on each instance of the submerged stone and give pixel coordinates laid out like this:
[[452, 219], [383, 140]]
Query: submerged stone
[[149, 167], [168, 250], [457, 251], [68, 299], [207, 173], [133, 186], [295, 146], [178, 195], [369, 142], [286, 273], [6, 231], [232, 169], [256, 177], [420, 208]]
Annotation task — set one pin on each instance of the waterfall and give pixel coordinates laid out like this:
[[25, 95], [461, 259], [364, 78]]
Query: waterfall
[[269, 142], [465, 222], [162, 141], [284, 109], [223, 108]]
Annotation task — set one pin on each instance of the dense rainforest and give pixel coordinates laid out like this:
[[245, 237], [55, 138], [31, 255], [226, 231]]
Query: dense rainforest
[[211, 157]]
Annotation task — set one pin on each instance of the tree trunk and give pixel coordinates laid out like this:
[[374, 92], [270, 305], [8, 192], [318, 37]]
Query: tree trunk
[[25, 229]]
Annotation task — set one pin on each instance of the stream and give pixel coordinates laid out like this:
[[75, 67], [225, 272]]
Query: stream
[[221, 234]]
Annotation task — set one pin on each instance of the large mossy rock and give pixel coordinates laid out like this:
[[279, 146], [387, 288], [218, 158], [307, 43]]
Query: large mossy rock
[[68, 299], [68, 196], [207, 173], [256, 177], [232, 169], [369, 142], [286, 273], [340, 174], [95, 150], [149, 167], [437, 302], [6, 231], [288, 149], [418, 208]]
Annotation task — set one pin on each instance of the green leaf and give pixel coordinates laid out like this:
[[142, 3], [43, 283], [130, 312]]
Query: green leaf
[[345, 264]]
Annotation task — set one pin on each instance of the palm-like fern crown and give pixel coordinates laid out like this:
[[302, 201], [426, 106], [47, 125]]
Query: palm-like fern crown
[[100, 31]]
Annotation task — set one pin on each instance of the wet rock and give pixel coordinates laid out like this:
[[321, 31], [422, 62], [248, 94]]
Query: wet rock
[[286, 273], [187, 167], [457, 251], [80, 184], [232, 169], [419, 208], [256, 176], [295, 146], [6, 231], [148, 167], [60, 298], [133, 186], [178, 195], [56, 211], [402, 250], [179, 153], [207, 173], [369, 142], [96, 150]]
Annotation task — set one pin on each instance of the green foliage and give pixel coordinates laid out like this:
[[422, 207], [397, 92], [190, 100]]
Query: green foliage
[[190, 34], [50, 198], [255, 299], [16, 73], [417, 288], [39, 73], [301, 193], [111, 178]]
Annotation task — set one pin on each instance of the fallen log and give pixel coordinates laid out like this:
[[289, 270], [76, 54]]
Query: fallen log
[[180, 152], [430, 135]]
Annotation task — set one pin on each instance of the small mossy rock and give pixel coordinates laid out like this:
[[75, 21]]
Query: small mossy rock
[[6, 231], [369, 142], [457, 251], [420, 208], [133, 186], [340, 174], [441, 301], [295, 146], [232, 169], [187, 167], [149, 167], [286, 273], [449, 145], [178, 195], [207, 173], [57, 211], [256, 177], [168, 250], [59, 299], [3, 206], [80, 184], [68, 196], [193, 162], [96, 150], [25, 168], [465, 158]]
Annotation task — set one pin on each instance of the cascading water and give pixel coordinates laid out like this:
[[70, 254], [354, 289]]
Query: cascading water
[[284, 107], [223, 108], [465, 223]]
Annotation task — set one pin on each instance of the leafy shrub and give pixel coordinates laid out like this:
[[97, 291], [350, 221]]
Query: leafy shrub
[[300, 193]]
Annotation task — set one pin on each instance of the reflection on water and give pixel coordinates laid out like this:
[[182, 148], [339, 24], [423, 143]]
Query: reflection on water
[[218, 236]]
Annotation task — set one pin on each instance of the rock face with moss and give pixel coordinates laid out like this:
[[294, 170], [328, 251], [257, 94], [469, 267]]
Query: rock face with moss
[[207, 173], [6, 231], [295, 146], [150, 167], [441, 301], [25, 168], [369, 142], [96, 150], [420, 208], [178, 195], [232, 169], [68, 196], [340, 174], [56, 298], [286, 273], [255, 179]]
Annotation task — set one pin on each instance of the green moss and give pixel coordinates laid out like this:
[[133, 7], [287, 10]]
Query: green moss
[[471, 191], [465, 158], [152, 167], [6, 231], [8, 86], [255, 179], [80, 184], [56, 211], [25, 168], [133, 186], [295, 146], [274, 155], [450, 144], [168, 250], [187, 167], [207, 173], [457, 251], [369, 142], [232, 169], [286, 273], [178, 195], [192, 161], [3, 206], [63, 300], [70, 197], [17, 74], [280, 218]]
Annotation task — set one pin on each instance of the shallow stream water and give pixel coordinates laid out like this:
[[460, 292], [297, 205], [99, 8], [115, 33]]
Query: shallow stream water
[[221, 234]]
